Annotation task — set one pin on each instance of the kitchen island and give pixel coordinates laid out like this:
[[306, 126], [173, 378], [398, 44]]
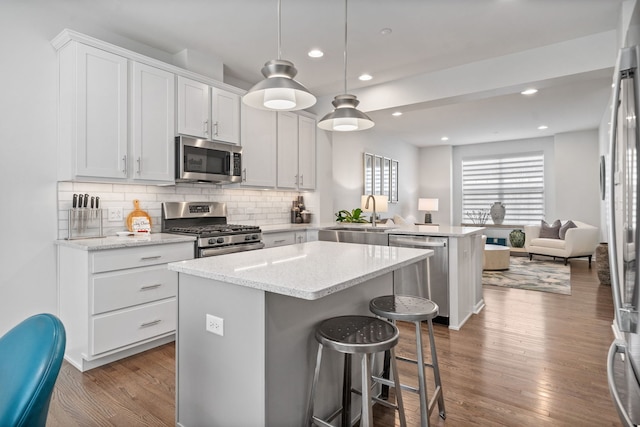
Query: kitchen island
[[258, 371]]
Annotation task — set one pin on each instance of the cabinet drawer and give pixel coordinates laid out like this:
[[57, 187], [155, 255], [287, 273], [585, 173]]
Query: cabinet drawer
[[118, 259], [278, 239], [126, 288], [129, 326]]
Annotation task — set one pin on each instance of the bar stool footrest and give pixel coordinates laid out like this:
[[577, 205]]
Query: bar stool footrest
[[406, 359]]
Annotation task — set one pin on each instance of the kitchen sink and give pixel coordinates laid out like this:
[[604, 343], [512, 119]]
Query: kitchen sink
[[360, 229], [362, 235]]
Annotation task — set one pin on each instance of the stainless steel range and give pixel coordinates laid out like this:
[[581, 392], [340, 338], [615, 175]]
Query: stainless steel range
[[208, 221]]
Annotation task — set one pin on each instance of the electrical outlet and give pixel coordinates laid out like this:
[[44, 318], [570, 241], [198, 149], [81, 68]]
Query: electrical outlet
[[215, 325], [115, 214]]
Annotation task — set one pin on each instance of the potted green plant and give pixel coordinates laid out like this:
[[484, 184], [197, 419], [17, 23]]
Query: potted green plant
[[353, 216]]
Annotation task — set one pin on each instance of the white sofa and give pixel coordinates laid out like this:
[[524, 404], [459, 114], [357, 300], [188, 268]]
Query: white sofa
[[578, 242]]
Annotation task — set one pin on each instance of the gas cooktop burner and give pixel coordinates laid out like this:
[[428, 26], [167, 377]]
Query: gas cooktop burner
[[215, 229]]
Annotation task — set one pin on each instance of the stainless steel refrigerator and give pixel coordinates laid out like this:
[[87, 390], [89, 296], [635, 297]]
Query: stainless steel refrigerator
[[623, 366]]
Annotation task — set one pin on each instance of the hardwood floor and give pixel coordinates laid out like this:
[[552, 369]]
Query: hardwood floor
[[528, 359]]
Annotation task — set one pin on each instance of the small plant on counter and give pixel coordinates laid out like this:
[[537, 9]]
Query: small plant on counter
[[353, 216]]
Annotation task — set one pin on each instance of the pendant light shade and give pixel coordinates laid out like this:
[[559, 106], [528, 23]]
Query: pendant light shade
[[345, 117], [278, 91]]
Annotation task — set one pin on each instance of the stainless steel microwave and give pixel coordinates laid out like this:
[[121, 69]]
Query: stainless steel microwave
[[199, 160]]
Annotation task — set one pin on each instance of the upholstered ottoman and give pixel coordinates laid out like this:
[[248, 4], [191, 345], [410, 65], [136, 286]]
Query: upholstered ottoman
[[496, 257]]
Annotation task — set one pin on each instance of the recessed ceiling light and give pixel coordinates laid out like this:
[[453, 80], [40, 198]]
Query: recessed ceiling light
[[365, 77], [386, 31], [543, 127], [444, 138], [396, 113], [529, 91], [316, 53]]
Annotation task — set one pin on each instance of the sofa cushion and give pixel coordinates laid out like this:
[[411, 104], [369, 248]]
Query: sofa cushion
[[550, 231], [547, 243], [566, 226]]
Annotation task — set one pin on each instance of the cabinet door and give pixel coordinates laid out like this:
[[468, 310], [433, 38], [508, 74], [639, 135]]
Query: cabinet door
[[300, 236], [225, 116], [152, 124], [101, 113], [258, 147], [306, 153], [193, 108], [287, 150]]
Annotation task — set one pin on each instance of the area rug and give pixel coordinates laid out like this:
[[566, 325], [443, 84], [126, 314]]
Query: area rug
[[535, 275]]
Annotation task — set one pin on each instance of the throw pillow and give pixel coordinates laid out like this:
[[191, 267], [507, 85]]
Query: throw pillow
[[550, 231], [397, 219], [563, 229]]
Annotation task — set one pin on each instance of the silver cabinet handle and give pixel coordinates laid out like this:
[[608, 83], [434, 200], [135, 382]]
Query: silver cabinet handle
[[279, 241], [297, 180], [301, 179], [149, 258], [206, 127], [139, 165], [215, 126], [153, 322], [149, 287], [124, 162], [244, 175]]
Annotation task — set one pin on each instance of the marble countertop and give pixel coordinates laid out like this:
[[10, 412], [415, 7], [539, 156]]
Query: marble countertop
[[116, 242], [418, 229], [308, 271]]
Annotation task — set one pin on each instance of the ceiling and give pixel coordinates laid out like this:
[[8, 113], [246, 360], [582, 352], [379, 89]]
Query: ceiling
[[428, 38]]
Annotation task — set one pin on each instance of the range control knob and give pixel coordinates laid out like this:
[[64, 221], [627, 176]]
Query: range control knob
[[254, 237], [220, 240]]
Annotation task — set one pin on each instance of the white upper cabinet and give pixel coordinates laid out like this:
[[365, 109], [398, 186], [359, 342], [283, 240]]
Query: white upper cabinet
[[306, 153], [287, 150], [296, 151], [93, 113], [258, 147], [208, 112], [193, 108], [153, 123], [225, 116]]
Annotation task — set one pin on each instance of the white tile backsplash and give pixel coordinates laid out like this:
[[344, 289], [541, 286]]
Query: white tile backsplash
[[244, 206]]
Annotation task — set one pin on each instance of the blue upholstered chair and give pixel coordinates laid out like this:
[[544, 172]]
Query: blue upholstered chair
[[30, 358]]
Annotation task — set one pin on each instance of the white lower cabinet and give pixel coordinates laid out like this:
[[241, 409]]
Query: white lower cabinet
[[117, 302]]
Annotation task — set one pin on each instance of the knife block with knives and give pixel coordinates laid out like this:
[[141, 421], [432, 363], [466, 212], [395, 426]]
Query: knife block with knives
[[85, 217]]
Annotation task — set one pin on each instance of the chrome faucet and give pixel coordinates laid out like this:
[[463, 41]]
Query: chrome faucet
[[373, 214]]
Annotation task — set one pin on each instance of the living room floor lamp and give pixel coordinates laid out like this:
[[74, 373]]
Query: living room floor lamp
[[428, 205]]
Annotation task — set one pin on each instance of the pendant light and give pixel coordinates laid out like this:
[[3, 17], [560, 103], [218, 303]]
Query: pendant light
[[345, 117], [278, 91]]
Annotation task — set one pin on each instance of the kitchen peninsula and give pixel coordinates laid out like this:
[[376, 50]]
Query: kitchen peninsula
[[255, 368]]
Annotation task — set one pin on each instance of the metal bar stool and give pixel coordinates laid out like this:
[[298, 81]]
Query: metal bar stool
[[350, 335], [415, 309]]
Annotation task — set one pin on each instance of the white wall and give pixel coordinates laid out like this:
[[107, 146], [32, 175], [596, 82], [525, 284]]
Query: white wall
[[435, 177], [348, 170], [28, 108], [577, 170]]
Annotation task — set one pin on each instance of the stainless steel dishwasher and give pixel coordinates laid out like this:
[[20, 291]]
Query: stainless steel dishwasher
[[429, 279]]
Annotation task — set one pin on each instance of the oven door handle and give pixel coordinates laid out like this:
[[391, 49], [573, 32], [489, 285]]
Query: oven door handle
[[230, 249]]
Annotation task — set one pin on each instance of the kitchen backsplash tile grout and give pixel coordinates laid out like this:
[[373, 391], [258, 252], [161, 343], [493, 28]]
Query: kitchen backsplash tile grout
[[246, 206]]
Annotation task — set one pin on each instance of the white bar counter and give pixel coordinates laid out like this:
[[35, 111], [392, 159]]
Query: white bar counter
[[259, 372]]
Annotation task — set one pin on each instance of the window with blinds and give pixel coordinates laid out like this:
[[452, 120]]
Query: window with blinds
[[517, 181]]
